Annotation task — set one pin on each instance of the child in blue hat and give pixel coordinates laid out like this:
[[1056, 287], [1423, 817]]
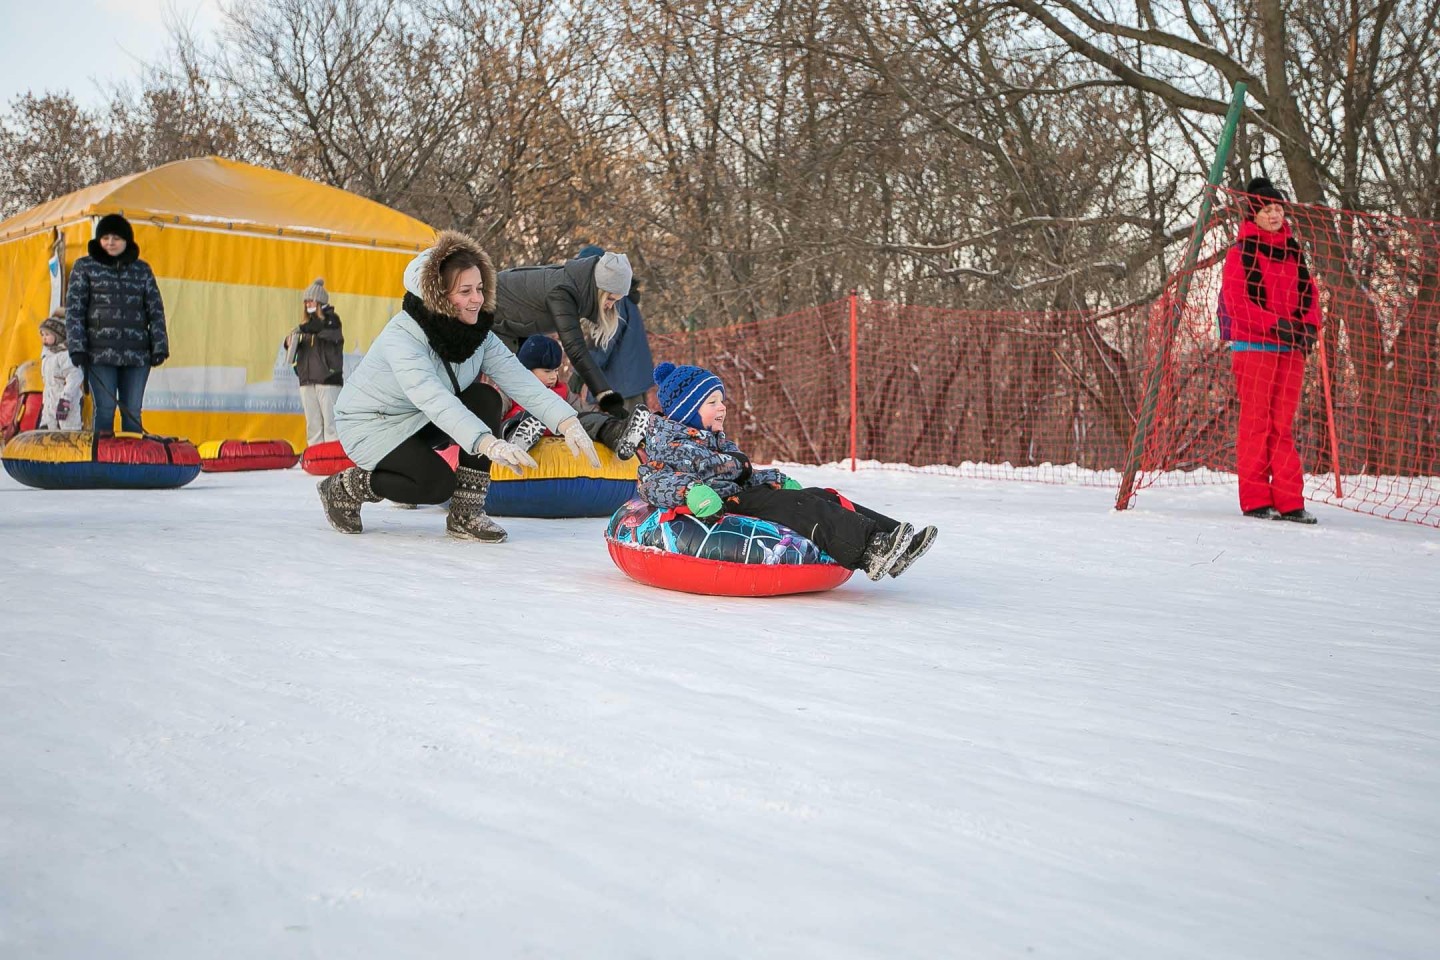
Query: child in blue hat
[[690, 462], [542, 356]]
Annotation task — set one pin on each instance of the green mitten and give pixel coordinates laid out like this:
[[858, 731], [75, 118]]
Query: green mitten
[[792, 484], [702, 501]]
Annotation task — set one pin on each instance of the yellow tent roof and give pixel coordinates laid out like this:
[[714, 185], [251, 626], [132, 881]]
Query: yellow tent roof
[[225, 194]]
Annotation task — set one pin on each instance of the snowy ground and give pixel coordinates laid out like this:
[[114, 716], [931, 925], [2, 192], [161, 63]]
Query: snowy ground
[[226, 731]]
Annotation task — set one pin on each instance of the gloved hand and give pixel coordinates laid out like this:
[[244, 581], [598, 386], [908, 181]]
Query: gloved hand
[[503, 452], [1295, 333], [792, 484], [158, 358], [81, 359], [578, 441], [612, 403], [62, 409], [703, 501]]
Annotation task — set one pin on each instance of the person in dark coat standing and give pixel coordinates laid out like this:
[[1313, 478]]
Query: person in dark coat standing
[[317, 349], [578, 301], [1270, 314], [626, 361], [115, 324]]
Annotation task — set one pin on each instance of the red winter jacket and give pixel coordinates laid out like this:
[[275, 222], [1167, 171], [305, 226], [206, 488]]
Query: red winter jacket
[[561, 390], [1265, 280]]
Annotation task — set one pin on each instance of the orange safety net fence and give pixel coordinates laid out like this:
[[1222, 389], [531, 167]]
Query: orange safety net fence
[[1056, 396]]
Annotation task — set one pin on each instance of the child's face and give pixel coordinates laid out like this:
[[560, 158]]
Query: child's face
[[47, 337], [712, 412], [548, 377]]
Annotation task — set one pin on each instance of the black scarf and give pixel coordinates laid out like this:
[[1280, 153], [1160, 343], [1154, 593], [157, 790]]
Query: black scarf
[[130, 254], [456, 342]]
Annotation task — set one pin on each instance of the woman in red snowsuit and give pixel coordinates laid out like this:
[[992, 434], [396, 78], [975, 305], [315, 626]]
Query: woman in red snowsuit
[[1270, 313]]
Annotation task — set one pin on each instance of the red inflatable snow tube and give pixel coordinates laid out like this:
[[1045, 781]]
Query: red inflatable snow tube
[[720, 578], [225, 456], [729, 556], [324, 459]]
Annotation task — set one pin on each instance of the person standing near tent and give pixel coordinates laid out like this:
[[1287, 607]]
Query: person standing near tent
[[626, 361], [1270, 314], [577, 300], [60, 403], [317, 353], [115, 324], [418, 390]]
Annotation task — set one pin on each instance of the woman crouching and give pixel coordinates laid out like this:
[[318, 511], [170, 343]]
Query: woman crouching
[[416, 392]]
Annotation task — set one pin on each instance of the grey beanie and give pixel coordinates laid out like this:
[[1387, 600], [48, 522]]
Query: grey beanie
[[612, 273], [316, 292]]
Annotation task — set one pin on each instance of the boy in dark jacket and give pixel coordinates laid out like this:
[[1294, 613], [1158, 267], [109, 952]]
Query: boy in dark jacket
[[690, 462], [542, 356]]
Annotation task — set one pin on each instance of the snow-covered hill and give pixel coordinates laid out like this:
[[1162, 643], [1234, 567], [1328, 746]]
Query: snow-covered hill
[[227, 731]]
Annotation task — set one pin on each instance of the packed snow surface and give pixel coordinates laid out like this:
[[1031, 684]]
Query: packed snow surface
[[227, 731]]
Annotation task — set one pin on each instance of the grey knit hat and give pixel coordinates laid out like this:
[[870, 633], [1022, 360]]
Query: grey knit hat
[[613, 274], [316, 292]]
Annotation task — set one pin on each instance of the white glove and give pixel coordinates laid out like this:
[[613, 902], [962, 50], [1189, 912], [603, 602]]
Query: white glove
[[503, 452], [578, 440]]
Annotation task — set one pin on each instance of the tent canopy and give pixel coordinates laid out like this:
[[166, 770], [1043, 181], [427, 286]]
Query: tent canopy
[[229, 195]]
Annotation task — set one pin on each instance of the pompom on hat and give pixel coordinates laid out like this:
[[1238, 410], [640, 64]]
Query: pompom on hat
[[683, 389], [316, 291], [539, 352]]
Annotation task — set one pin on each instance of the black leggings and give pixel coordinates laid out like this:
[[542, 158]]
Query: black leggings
[[818, 516], [414, 473]]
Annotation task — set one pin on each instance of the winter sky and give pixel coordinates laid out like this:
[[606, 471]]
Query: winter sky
[[87, 46]]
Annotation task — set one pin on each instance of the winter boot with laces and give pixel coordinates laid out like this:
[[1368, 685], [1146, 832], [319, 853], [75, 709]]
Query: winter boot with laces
[[1298, 516], [526, 432], [883, 550], [467, 519], [914, 550], [341, 495], [637, 428]]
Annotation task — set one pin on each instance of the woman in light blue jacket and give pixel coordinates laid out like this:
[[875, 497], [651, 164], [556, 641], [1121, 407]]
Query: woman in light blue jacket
[[418, 390]]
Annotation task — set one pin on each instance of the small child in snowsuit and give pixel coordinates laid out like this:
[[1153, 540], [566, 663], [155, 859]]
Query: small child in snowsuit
[[60, 404], [542, 356], [690, 462]]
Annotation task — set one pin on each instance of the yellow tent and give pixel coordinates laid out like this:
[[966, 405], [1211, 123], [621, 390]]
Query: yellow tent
[[232, 247]]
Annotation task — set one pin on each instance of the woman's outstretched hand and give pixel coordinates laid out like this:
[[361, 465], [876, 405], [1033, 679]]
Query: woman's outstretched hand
[[578, 441], [504, 452]]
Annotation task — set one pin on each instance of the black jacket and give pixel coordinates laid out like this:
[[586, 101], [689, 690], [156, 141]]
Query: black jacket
[[320, 353]]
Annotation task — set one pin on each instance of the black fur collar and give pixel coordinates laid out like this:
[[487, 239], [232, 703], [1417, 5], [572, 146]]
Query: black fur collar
[[456, 342], [130, 254]]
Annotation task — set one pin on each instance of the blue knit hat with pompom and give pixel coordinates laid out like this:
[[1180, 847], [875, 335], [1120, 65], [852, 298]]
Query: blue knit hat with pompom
[[683, 389], [539, 352]]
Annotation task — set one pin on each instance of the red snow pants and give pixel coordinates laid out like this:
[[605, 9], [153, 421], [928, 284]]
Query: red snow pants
[[1268, 384]]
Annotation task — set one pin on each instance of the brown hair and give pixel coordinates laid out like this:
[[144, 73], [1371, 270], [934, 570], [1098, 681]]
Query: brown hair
[[456, 264]]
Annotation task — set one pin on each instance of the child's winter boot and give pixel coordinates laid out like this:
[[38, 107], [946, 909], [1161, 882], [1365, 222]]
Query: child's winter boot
[[341, 495], [914, 550], [883, 549], [637, 428], [526, 432], [467, 519]]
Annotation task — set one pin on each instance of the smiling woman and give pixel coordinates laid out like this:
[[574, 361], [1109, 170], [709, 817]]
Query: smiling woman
[[418, 390]]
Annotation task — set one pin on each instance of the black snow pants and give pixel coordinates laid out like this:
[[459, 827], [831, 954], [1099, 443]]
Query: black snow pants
[[818, 516], [414, 473]]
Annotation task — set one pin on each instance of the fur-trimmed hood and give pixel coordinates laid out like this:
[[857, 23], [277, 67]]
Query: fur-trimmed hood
[[422, 276]]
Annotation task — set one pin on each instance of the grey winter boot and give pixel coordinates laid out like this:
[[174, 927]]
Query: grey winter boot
[[916, 549], [883, 550], [341, 495], [467, 519]]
